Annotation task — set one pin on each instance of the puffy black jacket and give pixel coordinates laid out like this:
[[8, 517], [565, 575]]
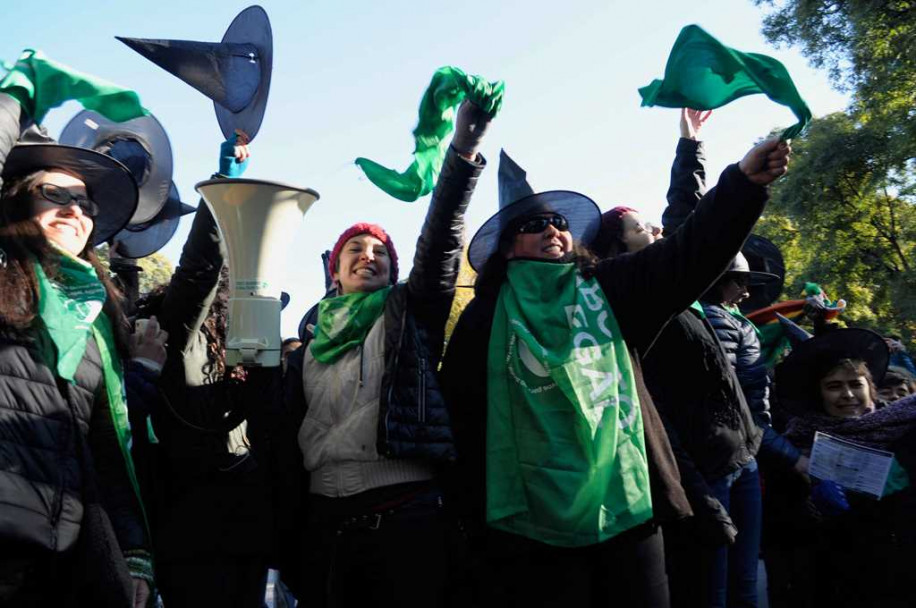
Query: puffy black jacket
[[739, 339], [45, 425], [413, 420]]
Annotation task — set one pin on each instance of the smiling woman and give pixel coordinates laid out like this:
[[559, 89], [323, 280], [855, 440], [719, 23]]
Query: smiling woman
[[67, 481]]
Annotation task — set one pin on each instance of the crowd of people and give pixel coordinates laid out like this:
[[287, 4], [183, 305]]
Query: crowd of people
[[600, 428]]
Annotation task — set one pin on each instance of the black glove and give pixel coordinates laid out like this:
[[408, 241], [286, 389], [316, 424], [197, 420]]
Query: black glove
[[470, 127]]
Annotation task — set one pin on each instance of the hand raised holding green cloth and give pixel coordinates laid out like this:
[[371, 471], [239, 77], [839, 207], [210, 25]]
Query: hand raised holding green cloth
[[704, 74], [449, 87], [40, 84]]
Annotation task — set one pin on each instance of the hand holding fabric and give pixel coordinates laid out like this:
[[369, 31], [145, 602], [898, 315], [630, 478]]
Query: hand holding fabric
[[714, 525], [829, 498], [470, 128], [234, 155], [766, 162], [449, 87]]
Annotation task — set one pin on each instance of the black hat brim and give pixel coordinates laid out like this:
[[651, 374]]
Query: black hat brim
[[89, 129], [108, 182], [581, 212], [140, 241], [794, 376], [251, 26]]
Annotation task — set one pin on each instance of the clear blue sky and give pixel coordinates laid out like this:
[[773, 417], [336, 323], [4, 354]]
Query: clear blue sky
[[348, 77]]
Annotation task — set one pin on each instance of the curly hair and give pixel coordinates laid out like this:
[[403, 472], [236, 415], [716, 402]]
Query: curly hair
[[22, 244]]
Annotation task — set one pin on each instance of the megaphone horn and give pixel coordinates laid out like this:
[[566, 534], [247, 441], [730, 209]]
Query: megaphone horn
[[258, 221]]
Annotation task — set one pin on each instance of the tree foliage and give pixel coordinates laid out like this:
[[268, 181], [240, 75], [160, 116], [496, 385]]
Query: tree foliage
[[157, 269], [845, 216], [840, 221]]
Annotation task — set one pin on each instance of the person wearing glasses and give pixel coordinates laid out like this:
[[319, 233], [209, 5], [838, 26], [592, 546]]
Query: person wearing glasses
[[565, 469], [72, 528]]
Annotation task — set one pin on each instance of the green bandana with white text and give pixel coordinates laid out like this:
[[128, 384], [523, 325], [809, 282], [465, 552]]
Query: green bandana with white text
[[566, 455], [345, 321]]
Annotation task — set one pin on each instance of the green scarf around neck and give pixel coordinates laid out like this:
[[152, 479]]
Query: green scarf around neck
[[344, 322], [70, 309], [566, 455]]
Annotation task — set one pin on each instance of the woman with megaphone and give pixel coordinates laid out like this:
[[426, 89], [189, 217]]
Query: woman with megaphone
[[211, 524], [372, 429]]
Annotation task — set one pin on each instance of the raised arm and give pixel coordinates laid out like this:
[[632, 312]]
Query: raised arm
[[688, 172], [193, 285], [438, 252], [11, 123], [647, 288]]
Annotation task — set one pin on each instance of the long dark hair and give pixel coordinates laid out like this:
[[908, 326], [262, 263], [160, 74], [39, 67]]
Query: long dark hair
[[22, 243]]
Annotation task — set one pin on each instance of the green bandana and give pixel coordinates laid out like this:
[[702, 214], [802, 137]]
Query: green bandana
[[70, 308], [704, 74], [566, 455], [449, 87], [39, 84], [345, 321]]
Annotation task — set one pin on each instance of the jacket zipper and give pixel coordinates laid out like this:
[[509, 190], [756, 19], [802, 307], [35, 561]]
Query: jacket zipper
[[73, 427], [392, 379], [421, 405]]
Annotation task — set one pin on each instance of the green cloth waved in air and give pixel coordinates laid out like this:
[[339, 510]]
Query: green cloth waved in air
[[39, 84], [566, 454], [449, 87], [704, 74]]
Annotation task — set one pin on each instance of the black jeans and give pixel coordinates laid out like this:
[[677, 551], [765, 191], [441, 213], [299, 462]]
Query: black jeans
[[213, 580], [628, 570], [358, 555]]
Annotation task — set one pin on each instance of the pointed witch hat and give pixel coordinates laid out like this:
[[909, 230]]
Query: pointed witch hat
[[140, 144], [517, 201], [234, 73], [139, 241]]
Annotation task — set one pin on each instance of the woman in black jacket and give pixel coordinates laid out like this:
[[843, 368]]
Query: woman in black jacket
[[371, 426], [559, 444], [71, 523]]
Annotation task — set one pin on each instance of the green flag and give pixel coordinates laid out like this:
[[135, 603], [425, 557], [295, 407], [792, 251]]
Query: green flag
[[39, 84], [704, 74], [566, 454], [449, 87]]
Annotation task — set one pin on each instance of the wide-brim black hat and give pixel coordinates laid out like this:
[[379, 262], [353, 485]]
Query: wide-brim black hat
[[234, 73], [517, 201], [795, 375], [768, 273], [140, 144], [108, 182], [146, 239]]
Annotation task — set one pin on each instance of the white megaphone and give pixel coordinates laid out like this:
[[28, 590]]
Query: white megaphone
[[258, 221]]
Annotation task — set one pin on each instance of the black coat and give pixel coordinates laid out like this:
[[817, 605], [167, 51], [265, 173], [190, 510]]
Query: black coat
[[645, 290], [413, 419]]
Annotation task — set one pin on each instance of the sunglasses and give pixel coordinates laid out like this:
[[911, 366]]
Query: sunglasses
[[538, 225], [61, 196]]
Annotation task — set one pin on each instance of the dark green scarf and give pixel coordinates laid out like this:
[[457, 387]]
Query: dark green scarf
[[704, 74]]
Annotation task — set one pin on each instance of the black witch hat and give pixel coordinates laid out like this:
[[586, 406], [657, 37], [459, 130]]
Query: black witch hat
[[140, 144], [234, 73], [139, 241], [518, 200]]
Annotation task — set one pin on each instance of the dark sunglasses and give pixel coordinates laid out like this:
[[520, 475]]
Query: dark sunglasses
[[538, 225], [741, 280], [63, 197]]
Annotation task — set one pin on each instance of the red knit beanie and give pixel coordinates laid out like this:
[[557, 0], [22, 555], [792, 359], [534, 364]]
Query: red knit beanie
[[365, 228], [611, 228]]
